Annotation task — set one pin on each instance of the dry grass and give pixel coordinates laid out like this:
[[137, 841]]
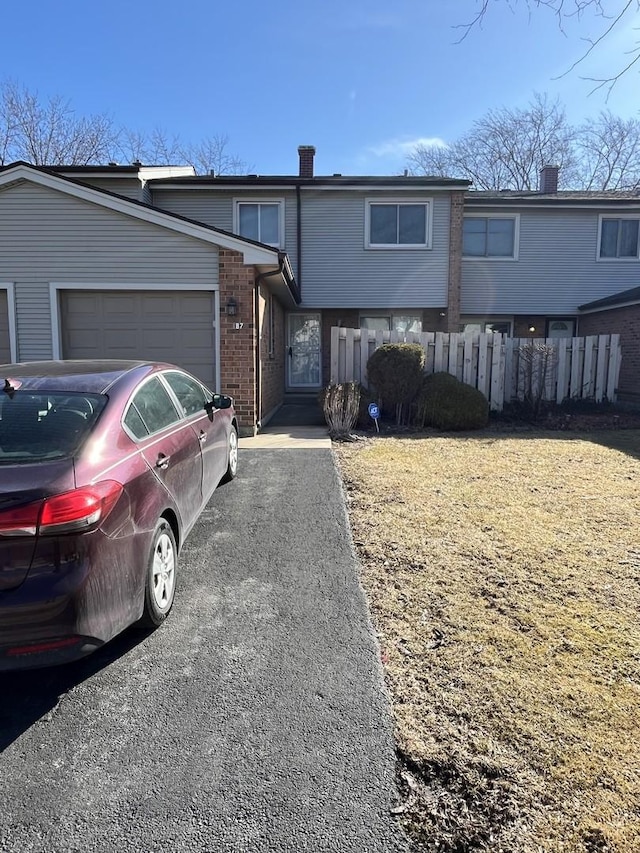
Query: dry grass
[[503, 575]]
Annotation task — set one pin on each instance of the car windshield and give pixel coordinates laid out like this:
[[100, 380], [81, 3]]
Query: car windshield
[[45, 425]]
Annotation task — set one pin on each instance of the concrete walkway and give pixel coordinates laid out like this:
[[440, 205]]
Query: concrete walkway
[[298, 437]]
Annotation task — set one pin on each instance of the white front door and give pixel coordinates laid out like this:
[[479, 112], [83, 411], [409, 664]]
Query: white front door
[[303, 352]]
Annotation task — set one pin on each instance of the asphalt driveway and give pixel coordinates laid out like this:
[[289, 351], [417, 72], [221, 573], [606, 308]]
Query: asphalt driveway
[[253, 720]]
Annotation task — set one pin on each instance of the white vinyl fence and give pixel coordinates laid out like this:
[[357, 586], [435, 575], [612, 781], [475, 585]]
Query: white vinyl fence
[[503, 368]]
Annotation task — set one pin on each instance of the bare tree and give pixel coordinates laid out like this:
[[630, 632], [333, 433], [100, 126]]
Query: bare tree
[[505, 149], [211, 156], [608, 150], [46, 132], [567, 12]]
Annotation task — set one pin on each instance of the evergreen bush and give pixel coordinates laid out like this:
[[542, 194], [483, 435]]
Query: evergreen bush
[[395, 371], [446, 403]]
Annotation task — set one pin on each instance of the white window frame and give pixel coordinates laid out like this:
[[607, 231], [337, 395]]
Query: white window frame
[[616, 216], [11, 317], [423, 200], [516, 237], [260, 201]]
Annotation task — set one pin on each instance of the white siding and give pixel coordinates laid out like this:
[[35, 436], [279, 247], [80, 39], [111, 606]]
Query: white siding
[[47, 236], [556, 271]]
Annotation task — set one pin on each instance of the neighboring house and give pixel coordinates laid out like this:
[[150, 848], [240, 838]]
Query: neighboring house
[[85, 273], [282, 259], [618, 313]]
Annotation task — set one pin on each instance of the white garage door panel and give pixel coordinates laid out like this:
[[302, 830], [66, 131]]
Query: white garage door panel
[[5, 347], [166, 326]]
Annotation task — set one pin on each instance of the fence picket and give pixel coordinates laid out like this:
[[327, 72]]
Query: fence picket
[[497, 365]]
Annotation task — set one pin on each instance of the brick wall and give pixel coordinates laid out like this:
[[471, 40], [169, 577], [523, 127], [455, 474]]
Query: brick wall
[[455, 262], [238, 346], [626, 323], [521, 326]]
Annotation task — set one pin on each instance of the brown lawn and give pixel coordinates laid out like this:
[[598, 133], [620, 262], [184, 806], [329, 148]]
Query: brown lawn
[[503, 576]]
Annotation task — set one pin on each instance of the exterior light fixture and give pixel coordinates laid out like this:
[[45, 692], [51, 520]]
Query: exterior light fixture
[[232, 307], [532, 328]]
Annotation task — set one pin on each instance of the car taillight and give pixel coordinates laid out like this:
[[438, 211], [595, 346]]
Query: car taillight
[[65, 513]]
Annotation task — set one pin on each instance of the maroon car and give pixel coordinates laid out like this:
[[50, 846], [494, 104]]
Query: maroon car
[[105, 467]]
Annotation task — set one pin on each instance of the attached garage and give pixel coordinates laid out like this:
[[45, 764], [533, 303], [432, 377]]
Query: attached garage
[[160, 325], [5, 345]]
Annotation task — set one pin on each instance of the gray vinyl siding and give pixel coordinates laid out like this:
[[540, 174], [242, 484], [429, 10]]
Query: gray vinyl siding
[[215, 207], [47, 236], [128, 187], [338, 271], [556, 271]]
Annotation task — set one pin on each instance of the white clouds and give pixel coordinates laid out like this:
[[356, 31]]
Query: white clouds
[[394, 148]]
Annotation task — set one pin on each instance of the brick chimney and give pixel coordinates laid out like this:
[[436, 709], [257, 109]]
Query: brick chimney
[[549, 179], [306, 154]]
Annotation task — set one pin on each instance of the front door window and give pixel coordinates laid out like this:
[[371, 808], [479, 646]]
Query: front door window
[[304, 351]]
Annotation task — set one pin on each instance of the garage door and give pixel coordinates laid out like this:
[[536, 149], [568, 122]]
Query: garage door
[[5, 348], [156, 325]]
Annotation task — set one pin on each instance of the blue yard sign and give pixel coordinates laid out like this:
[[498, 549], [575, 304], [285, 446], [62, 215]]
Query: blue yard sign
[[374, 412]]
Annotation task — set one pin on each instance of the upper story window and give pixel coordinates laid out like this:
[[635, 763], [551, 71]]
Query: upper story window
[[490, 237], [261, 220], [391, 224], [619, 237]]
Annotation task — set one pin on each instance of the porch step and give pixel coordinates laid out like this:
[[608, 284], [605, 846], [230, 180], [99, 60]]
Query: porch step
[[299, 410]]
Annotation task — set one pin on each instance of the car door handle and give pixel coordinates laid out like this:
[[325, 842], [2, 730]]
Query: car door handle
[[162, 461], [202, 437]]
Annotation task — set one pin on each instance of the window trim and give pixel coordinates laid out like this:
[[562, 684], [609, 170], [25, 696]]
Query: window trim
[[260, 201], [427, 201], [516, 237], [617, 217]]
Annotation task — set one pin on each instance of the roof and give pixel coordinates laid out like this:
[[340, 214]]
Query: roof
[[414, 182], [566, 198], [625, 297]]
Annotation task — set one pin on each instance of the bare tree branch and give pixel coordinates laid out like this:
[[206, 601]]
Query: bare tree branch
[[566, 11]]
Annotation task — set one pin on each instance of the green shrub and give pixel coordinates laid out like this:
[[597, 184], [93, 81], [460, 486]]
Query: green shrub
[[396, 372], [446, 403]]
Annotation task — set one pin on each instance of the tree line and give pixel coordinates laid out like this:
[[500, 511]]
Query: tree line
[[49, 132], [506, 148]]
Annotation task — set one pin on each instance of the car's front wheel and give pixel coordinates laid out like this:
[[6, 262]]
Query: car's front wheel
[[160, 584], [232, 456]]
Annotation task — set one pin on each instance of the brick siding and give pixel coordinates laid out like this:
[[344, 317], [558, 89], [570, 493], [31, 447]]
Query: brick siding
[[455, 262]]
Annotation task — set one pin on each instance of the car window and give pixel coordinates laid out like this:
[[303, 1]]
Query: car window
[[191, 394], [154, 407], [45, 425], [134, 423]]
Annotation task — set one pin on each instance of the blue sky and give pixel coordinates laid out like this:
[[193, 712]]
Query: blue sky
[[360, 79]]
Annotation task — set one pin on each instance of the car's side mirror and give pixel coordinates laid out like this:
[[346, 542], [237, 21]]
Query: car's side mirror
[[219, 401]]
